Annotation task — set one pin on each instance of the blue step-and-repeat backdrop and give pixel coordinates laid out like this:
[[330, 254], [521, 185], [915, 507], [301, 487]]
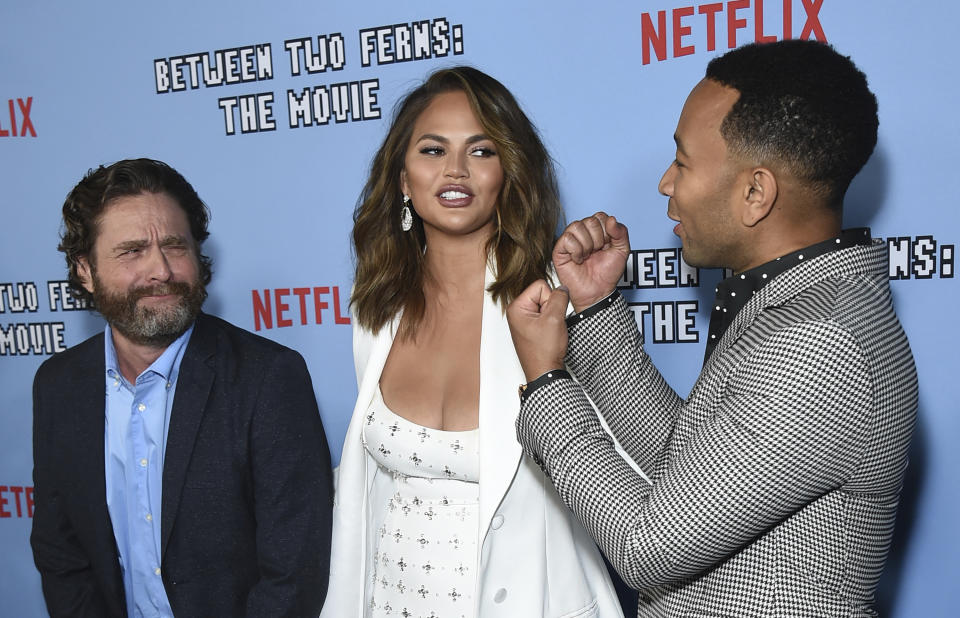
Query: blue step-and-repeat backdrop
[[273, 111]]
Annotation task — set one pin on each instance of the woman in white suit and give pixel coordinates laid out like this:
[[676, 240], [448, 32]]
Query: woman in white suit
[[437, 512]]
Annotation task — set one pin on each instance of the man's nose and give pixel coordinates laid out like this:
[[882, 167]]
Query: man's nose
[[158, 265], [666, 181]]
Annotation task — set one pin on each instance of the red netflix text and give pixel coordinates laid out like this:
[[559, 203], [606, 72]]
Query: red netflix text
[[656, 31], [283, 306], [16, 501], [20, 124]]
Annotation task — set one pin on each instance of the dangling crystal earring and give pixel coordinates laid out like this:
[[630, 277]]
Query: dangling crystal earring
[[406, 218]]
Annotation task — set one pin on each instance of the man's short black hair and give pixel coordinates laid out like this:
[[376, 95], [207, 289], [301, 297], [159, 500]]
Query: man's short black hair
[[801, 105]]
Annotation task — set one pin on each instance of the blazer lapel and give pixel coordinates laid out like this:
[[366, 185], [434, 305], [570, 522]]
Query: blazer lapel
[[88, 399], [348, 548], [785, 287], [500, 375], [87, 393], [371, 355], [193, 389], [371, 360]]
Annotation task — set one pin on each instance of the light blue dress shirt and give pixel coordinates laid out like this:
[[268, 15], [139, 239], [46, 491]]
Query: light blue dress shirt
[[135, 432]]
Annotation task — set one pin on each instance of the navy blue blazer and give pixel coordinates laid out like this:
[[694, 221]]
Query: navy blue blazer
[[247, 484]]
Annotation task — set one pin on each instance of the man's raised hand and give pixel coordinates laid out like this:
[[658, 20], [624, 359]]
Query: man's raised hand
[[590, 257]]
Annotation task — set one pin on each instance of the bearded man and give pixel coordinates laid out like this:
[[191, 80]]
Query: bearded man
[[180, 464]]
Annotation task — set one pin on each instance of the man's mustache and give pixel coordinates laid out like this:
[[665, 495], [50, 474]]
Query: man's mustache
[[178, 288]]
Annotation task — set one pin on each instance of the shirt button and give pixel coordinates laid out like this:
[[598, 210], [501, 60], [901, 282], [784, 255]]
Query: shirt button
[[156, 571], [141, 407], [143, 463], [500, 595], [149, 517], [497, 522]]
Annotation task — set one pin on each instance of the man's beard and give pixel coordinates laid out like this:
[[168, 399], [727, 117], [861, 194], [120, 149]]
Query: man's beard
[[155, 327]]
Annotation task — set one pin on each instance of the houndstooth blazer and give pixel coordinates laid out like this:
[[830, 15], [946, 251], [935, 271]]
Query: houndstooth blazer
[[775, 483]]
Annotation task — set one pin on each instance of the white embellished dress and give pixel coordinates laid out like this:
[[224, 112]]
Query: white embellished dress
[[423, 518]]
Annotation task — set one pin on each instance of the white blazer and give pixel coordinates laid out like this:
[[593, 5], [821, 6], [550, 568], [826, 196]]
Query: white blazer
[[535, 558]]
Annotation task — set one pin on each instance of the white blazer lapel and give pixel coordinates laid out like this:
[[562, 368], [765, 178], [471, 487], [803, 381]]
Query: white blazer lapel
[[348, 551], [500, 375], [370, 355]]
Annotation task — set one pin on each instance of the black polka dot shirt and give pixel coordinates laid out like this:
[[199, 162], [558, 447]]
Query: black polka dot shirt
[[734, 291]]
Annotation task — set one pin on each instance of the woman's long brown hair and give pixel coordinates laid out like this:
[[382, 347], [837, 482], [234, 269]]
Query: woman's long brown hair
[[390, 262]]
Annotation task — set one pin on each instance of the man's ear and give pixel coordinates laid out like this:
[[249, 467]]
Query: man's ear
[[83, 271], [759, 195]]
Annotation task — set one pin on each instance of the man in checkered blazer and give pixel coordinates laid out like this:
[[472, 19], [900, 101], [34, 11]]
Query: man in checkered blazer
[[774, 484]]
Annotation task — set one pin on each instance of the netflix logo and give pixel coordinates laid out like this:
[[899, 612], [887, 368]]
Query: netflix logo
[[16, 501], [284, 307], [18, 122], [663, 33]]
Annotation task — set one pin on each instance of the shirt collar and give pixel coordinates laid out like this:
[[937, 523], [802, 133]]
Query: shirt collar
[[753, 280], [163, 366], [736, 290]]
